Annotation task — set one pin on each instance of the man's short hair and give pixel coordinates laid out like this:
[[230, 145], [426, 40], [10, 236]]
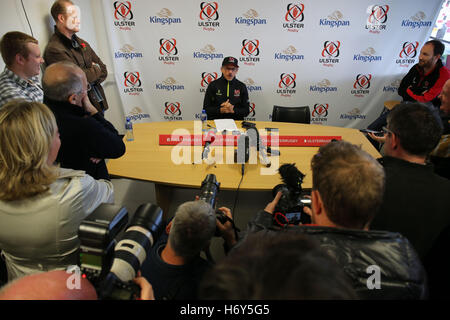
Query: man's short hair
[[14, 43], [350, 183], [277, 266], [192, 228], [416, 128], [438, 47], [59, 7], [61, 83]]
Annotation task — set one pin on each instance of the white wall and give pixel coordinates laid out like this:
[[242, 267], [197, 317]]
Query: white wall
[[92, 30]]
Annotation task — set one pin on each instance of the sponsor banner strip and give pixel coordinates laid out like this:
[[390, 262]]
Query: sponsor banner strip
[[231, 140]]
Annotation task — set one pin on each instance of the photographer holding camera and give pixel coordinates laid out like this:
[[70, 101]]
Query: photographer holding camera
[[174, 266], [347, 191]]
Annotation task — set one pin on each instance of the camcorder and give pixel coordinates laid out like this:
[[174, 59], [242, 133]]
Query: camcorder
[[111, 266], [289, 209], [208, 192]]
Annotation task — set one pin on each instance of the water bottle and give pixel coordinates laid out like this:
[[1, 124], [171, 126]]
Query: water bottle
[[129, 130], [204, 118]]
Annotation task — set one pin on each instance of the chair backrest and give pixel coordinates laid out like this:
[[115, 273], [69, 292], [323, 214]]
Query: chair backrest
[[291, 114]]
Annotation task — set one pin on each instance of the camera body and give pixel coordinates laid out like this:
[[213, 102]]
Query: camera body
[[111, 266], [292, 201]]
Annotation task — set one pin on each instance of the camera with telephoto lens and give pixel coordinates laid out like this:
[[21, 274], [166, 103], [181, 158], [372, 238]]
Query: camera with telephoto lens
[[111, 266], [208, 192], [289, 209]]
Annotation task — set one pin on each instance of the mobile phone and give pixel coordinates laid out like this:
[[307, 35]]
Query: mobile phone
[[377, 133]]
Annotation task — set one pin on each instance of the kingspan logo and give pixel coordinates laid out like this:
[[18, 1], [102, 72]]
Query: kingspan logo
[[393, 87], [377, 19], [164, 17], [251, 86], [208, 53], [127, 52], [250, 19], [354, 114], [334, 20], [368, 55], [417, 21], [289, 54], [172, 111], [137, 114], [323, 86], [170, 84]]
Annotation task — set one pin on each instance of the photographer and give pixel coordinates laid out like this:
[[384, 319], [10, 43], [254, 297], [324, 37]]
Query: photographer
[[174, 266], [347, 191]]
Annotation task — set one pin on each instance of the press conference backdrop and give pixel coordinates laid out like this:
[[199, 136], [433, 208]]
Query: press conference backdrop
[[341, 58]]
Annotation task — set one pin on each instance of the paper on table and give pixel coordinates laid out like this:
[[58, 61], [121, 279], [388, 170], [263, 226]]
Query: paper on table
[[225, 124]]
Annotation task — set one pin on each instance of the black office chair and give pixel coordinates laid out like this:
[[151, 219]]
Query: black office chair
[[291, 114]]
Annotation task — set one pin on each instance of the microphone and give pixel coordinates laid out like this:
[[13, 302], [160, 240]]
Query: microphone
[[210, 138]]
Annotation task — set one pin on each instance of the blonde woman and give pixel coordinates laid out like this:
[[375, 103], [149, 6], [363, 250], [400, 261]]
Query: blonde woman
[[41, 205]]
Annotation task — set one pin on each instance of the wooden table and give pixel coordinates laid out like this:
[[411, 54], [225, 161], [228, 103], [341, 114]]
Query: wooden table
[[146, 160]]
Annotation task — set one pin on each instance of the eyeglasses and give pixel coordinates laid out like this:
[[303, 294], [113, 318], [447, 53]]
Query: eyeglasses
[[88, 87], [230, 69], [387, 131]]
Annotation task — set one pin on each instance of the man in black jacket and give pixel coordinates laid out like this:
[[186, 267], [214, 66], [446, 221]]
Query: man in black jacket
[[87, 139], [347, 192], [424, 81], [227, 97]]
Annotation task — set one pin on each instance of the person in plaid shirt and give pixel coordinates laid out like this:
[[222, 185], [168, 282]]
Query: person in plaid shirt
[[20, 79]]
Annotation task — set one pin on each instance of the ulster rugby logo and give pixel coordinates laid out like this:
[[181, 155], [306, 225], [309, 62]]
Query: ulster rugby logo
[[250, 52], [294, 17], [123, 15], [319, 113], [407, 54], [168, 50], [209, 14], [207, 78], [330, 53], [377, 19], [172, 111], [132, 83], [361, 85], [287, 84]]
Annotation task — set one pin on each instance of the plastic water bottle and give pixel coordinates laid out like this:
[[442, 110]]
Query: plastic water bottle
[[129, 130], [204, 118]]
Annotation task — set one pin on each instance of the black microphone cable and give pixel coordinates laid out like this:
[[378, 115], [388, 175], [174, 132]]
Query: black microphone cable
[[26, 16]]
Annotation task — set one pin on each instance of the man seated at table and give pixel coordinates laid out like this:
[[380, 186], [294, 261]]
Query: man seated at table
[[227, 97]]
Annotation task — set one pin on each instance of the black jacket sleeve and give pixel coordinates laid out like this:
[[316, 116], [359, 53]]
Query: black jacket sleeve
[[243, 108], [210, 103], [104, 141], [405, 83]]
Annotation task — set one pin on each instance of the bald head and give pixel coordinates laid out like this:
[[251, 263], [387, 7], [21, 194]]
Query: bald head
[[47, 286], [62, 80], [445, 98]]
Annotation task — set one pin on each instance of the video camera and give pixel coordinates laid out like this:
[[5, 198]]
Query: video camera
[[111, 267], [290, 206], [208, 192]]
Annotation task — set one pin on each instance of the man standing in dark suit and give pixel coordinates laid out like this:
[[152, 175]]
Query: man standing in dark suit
[[87, 138]]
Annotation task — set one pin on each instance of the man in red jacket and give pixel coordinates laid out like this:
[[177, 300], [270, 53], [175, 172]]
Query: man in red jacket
[[424, 81]]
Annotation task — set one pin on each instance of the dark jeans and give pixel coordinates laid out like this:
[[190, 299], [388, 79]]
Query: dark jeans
[[381, 121]]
